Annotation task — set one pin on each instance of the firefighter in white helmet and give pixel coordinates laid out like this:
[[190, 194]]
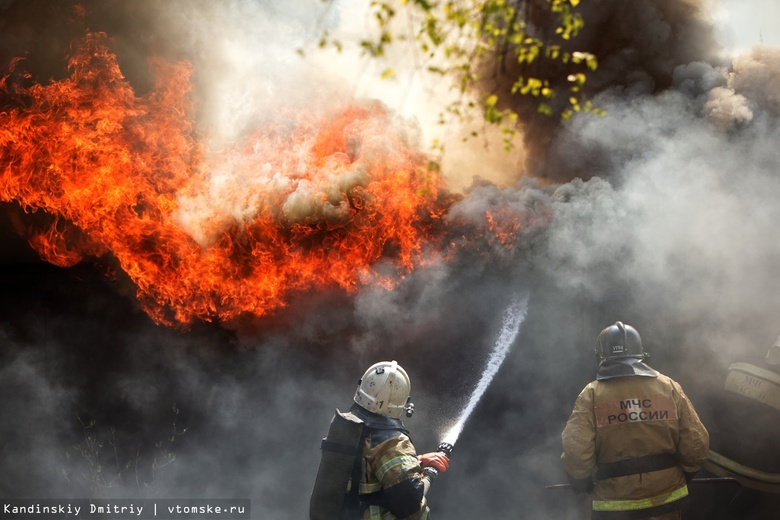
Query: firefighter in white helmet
[[633, 439], [370, 468], [395, 479], [744, 425]]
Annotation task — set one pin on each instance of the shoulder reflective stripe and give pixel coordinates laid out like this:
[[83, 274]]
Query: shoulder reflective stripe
[[365, 487], [754, 383], [394, 463], [747, 471], [642, 503]]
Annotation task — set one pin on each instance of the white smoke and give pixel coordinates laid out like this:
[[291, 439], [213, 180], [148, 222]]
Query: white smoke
[[741, 25]]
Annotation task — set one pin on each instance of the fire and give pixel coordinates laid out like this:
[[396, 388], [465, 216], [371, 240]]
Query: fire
[[210, 234], [506, 224], [504, 229]]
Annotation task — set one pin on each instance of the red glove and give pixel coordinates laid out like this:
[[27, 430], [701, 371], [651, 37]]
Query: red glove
[[437, 460]]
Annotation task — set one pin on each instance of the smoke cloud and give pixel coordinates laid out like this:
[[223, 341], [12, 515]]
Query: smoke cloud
[[661, 213]]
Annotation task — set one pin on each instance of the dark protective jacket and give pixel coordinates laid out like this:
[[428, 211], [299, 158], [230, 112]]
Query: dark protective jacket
[[641, 434], [391, 485]]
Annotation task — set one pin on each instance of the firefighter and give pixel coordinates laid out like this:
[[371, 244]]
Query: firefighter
[[744, 424], [633, 439], [393, 479]]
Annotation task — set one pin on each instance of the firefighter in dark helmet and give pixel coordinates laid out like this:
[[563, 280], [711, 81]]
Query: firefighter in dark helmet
[[389, 480], [633, 439]]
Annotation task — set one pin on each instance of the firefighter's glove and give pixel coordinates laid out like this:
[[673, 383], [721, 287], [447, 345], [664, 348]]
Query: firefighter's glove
[[581, 485], [436, 460]]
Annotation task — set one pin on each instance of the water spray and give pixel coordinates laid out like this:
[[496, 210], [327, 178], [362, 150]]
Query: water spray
[[513, 318]]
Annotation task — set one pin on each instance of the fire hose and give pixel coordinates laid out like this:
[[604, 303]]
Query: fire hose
[[706, 480], [433, 465]]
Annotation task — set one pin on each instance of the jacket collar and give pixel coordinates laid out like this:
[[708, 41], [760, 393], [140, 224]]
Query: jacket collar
[[374, 420], [626, 367]]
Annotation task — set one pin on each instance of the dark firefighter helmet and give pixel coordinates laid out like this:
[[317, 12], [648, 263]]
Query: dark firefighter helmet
[[619, 341]]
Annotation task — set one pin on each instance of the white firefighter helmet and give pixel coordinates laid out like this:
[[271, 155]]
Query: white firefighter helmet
[[385, 389]]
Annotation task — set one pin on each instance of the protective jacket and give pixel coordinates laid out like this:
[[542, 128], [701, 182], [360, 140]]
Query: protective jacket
[[392, 484], [642, 436]]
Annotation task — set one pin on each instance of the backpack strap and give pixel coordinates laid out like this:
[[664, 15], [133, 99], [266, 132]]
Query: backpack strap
[[353, 506]]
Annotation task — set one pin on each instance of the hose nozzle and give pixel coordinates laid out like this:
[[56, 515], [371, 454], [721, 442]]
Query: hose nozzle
[[445, 448]]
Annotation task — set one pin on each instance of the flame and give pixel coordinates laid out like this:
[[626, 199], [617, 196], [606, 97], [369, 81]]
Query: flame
[[210, 234], [504, 225]]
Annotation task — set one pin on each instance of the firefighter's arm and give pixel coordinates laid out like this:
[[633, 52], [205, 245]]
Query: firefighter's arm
[[433, 464], [694, 444], [579, 443], [428, 476], [403, 482]]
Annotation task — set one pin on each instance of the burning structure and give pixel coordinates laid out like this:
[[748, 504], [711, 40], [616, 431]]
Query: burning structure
[[201, 186]]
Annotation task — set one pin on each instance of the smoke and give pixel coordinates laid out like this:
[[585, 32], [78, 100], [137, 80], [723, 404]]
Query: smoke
[[662, 214], [36, 452]]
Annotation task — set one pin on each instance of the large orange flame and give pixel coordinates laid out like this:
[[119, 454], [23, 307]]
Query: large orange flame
[[210, 234]]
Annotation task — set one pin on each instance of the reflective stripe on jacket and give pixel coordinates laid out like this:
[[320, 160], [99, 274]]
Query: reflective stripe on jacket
[[627, 418], [640, 503], [390, 463]]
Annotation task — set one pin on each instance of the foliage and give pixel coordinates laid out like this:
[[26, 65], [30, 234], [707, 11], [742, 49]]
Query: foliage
[[472, 42]]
